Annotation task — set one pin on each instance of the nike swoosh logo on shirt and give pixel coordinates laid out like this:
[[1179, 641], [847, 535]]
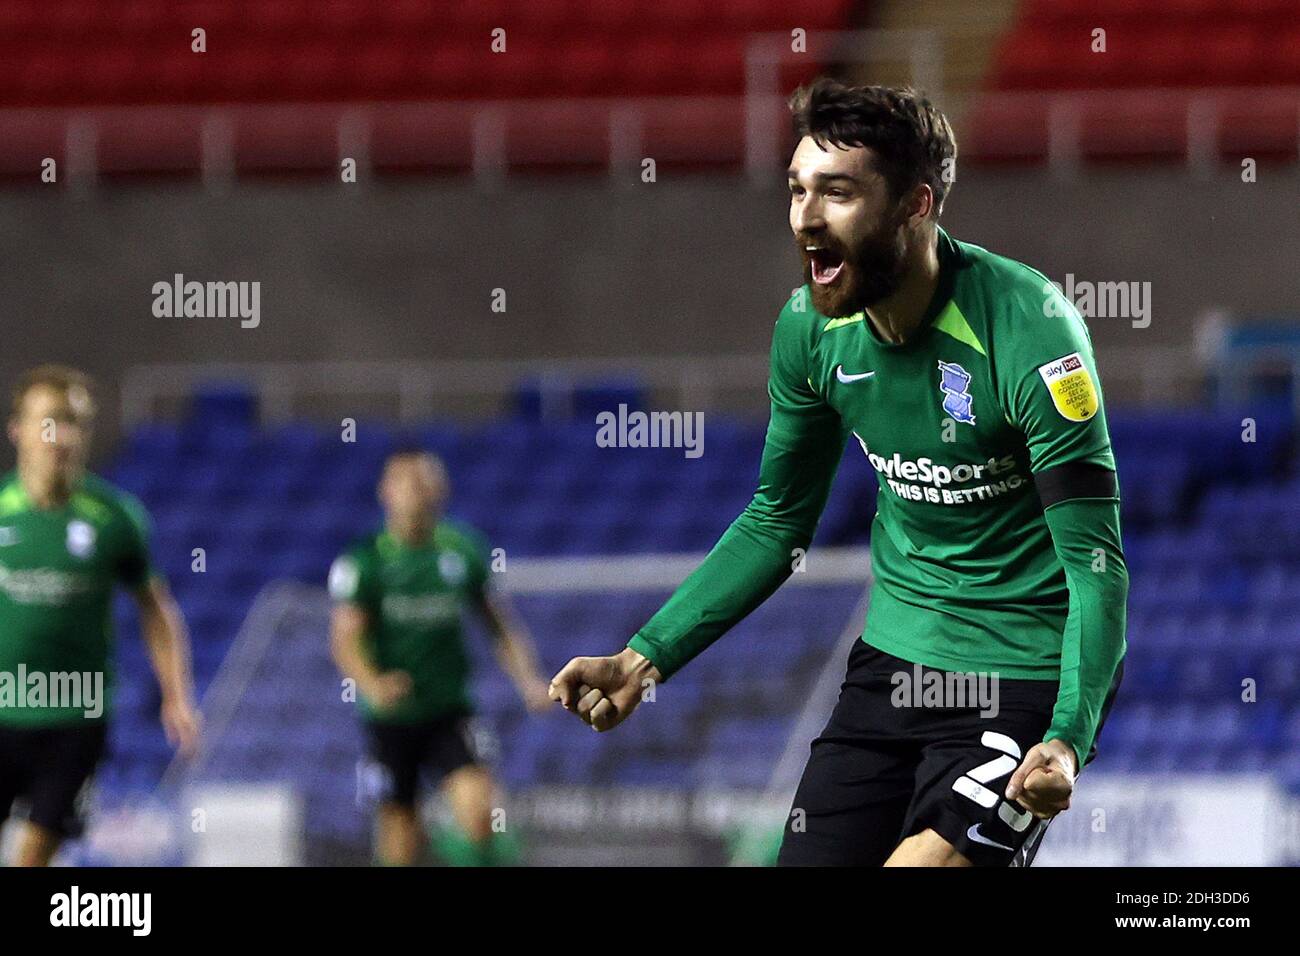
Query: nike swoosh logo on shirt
[[839, 374], [974, 834]]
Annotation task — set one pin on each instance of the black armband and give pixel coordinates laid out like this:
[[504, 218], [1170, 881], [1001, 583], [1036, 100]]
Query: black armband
[[1075, 479]]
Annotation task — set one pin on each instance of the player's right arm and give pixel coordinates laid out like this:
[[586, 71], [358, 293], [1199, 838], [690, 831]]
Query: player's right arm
[[349, 624], [804, 444]]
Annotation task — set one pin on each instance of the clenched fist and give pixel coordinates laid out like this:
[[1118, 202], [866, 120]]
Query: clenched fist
[[603, 690], [1044, 781]]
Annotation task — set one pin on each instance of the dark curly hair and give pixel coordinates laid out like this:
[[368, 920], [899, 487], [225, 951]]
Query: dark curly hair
[[910, 136]]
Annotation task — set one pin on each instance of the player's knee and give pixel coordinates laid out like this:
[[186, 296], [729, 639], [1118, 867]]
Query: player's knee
[[398, 822], [926, 848], [471, 797], [479, 826], [36, 847], [32, 858], [478, 814], [399, 836]]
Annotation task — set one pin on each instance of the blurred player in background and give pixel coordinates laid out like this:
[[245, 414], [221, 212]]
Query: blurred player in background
[[969, 382], [66, 539], [397, 632]]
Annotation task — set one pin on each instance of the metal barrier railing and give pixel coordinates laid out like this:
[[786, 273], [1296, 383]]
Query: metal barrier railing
[[425, 389]]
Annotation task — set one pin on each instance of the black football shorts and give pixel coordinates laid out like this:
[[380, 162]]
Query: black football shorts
[[49, 769], [399, 753], [886, 768]]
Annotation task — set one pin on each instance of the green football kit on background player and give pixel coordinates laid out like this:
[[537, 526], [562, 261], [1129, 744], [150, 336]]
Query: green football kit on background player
[[415, 597], [58, 569]]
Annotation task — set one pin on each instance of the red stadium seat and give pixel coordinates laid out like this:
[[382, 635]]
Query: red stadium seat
[[1183, 46], [68, 54], [1161, 43], [367, 52]]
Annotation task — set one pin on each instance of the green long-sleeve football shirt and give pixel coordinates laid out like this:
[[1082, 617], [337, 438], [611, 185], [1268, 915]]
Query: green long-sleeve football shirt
[[415, 597], [971, 573], [58, 569]]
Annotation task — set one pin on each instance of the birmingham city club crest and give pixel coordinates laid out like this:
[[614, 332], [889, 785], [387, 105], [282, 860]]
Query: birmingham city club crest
[[81, 539], [452, 567], [954, 382]]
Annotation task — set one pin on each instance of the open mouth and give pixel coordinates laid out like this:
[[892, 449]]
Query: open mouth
[[826, 265]]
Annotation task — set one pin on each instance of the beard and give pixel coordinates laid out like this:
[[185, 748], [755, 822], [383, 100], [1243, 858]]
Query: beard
[[872, 271]]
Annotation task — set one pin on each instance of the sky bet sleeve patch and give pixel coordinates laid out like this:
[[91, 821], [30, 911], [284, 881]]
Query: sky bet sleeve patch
[[1071, 387]]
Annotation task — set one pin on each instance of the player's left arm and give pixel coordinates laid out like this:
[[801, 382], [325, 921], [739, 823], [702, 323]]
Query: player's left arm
[[510, 639], [1055, 398], [163, 628], [514, 649], [1086, 536]]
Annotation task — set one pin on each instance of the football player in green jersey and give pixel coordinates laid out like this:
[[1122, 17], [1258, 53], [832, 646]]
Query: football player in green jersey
[[397, 632], [67, 538], [968, 381]]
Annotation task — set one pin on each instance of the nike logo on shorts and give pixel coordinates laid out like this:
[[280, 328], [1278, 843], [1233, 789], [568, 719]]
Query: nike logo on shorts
[[974, 834]]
